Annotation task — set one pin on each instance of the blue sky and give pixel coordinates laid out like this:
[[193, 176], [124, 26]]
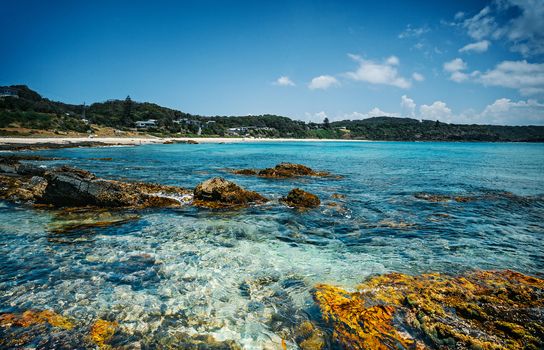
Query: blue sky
[[456, 61]]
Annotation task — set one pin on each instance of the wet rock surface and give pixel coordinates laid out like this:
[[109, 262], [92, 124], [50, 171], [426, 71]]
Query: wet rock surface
[[220, 193], [282, 170], [72, 187], [67, 221], [477, 310], [298, 198]]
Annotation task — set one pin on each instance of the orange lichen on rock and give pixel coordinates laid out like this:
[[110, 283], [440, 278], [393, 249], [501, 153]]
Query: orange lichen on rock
[[32, 317], [102, 331], [479, 310], [356, 324]]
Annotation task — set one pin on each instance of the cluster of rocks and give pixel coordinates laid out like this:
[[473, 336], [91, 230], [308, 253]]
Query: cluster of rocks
[[282, 170], [71, 187]]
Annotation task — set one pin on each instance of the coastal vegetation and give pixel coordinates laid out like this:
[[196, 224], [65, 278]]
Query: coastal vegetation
[[26, 111]]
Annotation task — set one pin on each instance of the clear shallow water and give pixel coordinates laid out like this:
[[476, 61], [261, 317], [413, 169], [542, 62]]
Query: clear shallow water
[[247, 275]]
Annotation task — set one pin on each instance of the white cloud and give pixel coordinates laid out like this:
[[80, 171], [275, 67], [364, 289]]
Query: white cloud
[[501, 112], [526, 77], [378, 73], [459, 77], [455, 68], [480, 46], [392, 61], [518, 23], [408, 106], [455, 65], [411, 32], [505, 111], [438, 110], [374, 112], [418, 77], [323, 82], [284, 81], [459, 15], [481, 25]]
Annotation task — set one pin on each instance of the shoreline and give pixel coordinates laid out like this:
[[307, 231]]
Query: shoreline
[[150, 140]]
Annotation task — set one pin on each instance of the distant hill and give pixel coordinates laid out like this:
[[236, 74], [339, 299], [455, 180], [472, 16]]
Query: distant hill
[[22, 107]]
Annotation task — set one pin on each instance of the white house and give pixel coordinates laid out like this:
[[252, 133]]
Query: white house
[[150, 123]]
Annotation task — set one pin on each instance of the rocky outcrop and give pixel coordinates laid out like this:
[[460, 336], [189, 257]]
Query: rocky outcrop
[[477, 310], [74, 187], [220, 193], [282, 170], [298, 198], [71, 187]]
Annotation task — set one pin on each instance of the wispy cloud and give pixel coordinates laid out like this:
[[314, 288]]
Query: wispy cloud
[[518, 23], [479, 47], [323, 82], [413, 32]]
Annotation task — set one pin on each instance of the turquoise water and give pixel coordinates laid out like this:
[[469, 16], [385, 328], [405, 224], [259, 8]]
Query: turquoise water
[[247, 275]]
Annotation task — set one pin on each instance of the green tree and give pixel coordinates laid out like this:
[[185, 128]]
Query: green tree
[[326, 123], [127, 112]]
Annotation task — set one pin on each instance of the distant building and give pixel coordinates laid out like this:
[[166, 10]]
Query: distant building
[[8, 92], [186, 121], [150, 123]]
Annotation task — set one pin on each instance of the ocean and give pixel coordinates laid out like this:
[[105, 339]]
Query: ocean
[[246, 275]]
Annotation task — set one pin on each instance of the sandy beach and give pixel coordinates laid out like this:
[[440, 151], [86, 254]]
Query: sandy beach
[[150, 140]]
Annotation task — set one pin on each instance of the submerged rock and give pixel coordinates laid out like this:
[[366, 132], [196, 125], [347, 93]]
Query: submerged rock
[[67, 221], [298, 198], [102, 331], [310, 337], [34, 317], [282, 170], [220, 193], [433, 197], [477, 310]]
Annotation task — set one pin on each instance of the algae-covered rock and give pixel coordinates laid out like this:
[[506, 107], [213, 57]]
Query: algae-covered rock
[[282, 170], [298, 198], [71, 187], [310, 337], [35, 317], [102, 331], [67, 221], [220, 193], [477, 310]]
